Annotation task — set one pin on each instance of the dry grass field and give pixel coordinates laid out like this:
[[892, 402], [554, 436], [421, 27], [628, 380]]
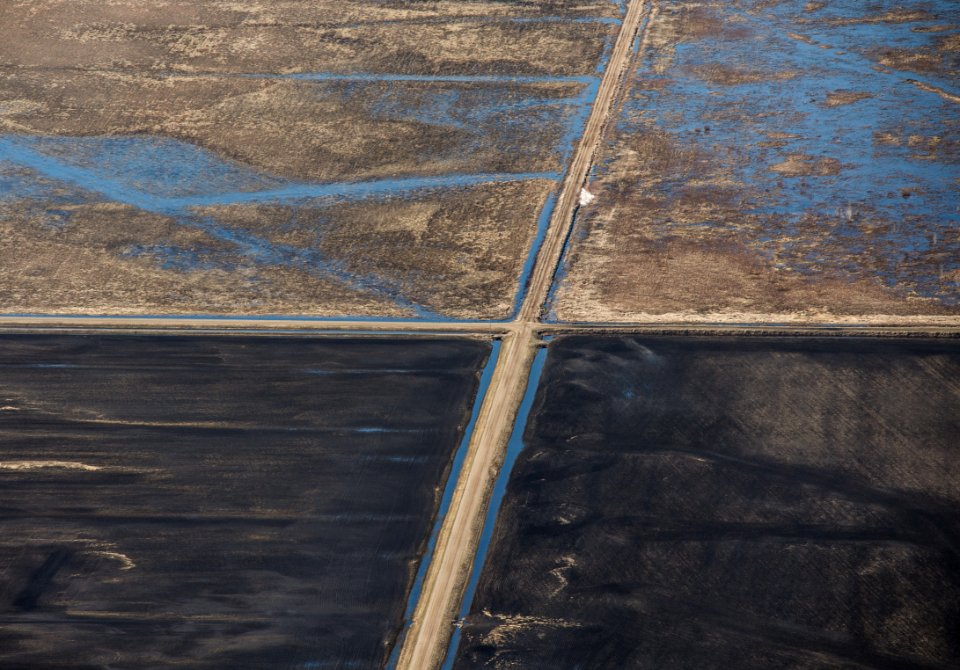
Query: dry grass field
[[151, 154]]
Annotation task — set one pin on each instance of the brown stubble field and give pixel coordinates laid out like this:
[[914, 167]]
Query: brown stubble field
[[298, 129], [331, 258], [289, 94], [299, 36], [417, 244]]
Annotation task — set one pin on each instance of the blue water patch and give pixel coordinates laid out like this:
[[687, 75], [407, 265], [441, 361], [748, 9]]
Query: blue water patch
[[451, 485], [543, 223], [156, 166], [860, 45], [514, 447], [17, 149], [23, 183]]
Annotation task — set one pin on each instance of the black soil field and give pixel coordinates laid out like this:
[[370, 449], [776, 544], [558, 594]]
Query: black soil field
[[744, 503], [219, 502]]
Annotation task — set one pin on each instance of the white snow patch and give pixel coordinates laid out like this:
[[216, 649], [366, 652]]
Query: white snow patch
[[36, 465], [117, 556], [586, 197]]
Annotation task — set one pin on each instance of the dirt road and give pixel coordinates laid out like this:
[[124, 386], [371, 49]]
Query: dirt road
[[427, 639], [898, 326], [248, 325], [562, 218]]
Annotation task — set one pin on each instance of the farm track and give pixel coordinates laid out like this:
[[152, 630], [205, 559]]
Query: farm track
[[892, 327], [425, 643], [449, 570]]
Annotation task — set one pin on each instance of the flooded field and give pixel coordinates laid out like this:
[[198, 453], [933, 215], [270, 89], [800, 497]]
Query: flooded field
[[778, 161], [78, 251], [221, 502], [123, 127], [729, 502]]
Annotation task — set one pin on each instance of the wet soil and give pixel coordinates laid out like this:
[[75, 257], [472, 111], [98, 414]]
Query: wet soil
[[814, 143], [730, 503], [219, 502]]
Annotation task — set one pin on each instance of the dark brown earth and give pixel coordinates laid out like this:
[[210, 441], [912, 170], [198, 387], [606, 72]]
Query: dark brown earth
[[730, 503], [219, 501]]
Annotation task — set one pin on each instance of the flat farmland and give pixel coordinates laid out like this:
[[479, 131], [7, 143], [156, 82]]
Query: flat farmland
[[474, 334], [729, 503], [125, 127], [220, 501], [777, 162]]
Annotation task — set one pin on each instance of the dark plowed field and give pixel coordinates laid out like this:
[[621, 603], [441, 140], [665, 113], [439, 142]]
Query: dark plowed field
[[744, 503], [219, 502]]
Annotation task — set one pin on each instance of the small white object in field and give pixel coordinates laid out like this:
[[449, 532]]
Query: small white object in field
[[127, 564], [586, 197]]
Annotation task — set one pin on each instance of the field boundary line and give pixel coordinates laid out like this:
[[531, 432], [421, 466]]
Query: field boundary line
[[893, 326], [448, 573]]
